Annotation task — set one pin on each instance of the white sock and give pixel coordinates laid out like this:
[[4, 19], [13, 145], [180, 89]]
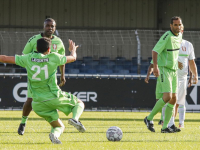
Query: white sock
[[57, 131], [181, 110], [171, 122], [163, 111]]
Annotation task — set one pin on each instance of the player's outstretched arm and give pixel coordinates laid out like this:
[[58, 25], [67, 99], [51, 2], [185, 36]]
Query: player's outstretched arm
[[149, 72], [7, 59], [73, 55]]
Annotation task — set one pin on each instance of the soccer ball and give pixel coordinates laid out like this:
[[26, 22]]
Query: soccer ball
[[114, 134]]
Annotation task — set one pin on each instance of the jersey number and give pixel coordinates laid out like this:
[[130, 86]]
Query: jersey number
[[38, 70]]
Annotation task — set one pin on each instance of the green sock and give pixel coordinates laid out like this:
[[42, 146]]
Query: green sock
[[158, 106], [77, 111], [24, 119], [57, 131], [168, 115], [161, 117]]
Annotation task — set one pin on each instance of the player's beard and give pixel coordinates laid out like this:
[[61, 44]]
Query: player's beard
[[176, 31], [48, 34]]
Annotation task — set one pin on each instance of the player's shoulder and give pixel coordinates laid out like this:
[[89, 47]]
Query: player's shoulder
[[33, 54], [186, 42], [56, 38], [54, 54], [34, 38], [166, 35]]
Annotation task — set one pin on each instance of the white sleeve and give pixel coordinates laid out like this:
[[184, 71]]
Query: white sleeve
[[192, 55]]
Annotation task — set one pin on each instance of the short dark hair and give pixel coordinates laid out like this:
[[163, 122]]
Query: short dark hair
[[43, 44], [50, 19], [175, 18]]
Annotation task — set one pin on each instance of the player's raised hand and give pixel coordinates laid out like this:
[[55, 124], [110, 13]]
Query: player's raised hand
[[180, 65], [72, 45]]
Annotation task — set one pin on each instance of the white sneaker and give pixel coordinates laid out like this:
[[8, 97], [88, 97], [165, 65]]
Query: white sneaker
[[54, 139], [77, 125], [181, 125]]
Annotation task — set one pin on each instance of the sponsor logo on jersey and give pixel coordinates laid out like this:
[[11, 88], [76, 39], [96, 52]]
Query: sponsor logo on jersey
[[54, 46], [184, 48]]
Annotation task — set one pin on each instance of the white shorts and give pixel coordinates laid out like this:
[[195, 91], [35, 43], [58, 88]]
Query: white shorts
[[182, 91]]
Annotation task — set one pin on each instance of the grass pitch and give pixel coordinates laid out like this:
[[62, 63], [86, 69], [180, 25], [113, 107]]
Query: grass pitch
[[135, 133]]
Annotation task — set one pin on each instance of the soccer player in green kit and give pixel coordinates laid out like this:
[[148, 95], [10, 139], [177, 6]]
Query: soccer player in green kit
[[57, 46], [165, 65], [46, 94]]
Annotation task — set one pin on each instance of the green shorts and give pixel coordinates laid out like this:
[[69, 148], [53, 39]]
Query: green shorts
[[167, 82], [48, 109], [158, 95]]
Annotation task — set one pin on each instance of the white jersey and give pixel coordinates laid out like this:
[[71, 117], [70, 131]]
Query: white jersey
[[186, 53]]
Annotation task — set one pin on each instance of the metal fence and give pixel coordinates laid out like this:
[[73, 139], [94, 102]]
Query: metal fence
[[100, 50]]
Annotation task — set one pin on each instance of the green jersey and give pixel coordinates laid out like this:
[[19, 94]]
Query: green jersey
[[168, 50], [41, 70], [56, 45]]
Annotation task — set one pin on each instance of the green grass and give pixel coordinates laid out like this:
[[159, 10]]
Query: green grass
[[135, 133]]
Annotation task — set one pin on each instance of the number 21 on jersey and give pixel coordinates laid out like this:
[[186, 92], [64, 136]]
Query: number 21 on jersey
[[38, 71]]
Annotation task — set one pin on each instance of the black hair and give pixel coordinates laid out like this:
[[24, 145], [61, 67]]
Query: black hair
[[49, 19], [175, 18], [43, 44]]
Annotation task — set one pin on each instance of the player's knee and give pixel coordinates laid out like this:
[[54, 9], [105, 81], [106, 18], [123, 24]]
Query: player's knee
[[167, 97], [173, 100], [81, 103]]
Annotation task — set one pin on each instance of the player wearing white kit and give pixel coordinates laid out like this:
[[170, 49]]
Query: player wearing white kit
[[185, 59]]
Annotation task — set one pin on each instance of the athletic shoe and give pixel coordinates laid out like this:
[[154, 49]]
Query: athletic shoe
[[54, 139], [77, 125], [174, 128], [149, 125], [160, 122], [21, 128], [167, 130], [181, 125]]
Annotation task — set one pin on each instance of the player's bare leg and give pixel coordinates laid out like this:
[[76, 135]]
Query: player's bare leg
[[57, 128], [25, 113]]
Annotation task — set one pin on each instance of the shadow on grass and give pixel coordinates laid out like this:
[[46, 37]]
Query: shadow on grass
[[65, 132], [136, 141], [95, 119]]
